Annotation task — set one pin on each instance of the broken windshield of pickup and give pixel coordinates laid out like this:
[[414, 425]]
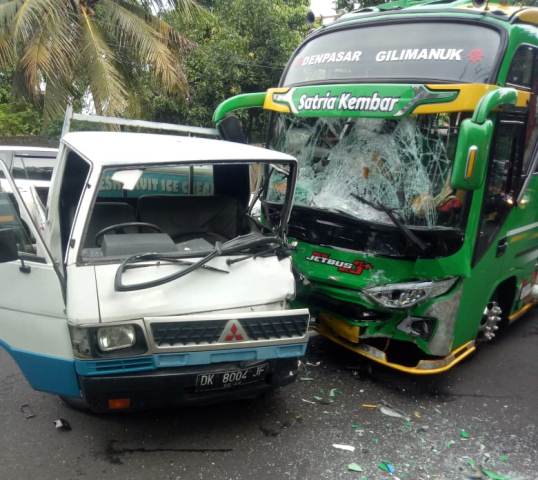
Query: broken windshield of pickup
[[165, 213]]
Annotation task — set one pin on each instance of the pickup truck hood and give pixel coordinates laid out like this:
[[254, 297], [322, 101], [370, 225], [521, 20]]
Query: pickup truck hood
[[254, 281]]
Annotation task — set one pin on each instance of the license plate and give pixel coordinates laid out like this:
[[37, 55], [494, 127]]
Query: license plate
[[231, 378]]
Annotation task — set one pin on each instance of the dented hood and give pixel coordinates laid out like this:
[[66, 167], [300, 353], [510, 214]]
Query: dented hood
[[255, 281]]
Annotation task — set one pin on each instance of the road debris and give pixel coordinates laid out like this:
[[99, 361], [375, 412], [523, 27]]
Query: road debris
[[354, 467], [308, 401], [494, 475], [392, 412], [386, 467], [372, 406], [323, 400], [313, 364], [348, 448], [62, 424], [27, 411], [334, 392], [306, 379], [464, 435]]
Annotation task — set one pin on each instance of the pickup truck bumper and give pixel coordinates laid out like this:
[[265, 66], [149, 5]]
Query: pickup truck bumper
[[172, 387]]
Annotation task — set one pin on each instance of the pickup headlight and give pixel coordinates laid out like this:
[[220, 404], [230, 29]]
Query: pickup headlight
[[116, 337], [405, 295], [102, 341]]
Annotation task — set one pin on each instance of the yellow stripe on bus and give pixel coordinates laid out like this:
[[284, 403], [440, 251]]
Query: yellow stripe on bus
[[468, 97], [270, 104]]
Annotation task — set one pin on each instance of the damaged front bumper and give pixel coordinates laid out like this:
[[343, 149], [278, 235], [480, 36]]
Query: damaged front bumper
[[417, 340], [336, 331]]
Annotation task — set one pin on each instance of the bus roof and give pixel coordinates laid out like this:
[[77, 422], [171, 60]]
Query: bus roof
[[500, 10]]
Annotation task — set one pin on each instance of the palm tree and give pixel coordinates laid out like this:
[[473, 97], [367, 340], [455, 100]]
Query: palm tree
[[61, 47]]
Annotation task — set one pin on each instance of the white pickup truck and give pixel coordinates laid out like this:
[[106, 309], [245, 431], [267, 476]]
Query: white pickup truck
[[150, 283]]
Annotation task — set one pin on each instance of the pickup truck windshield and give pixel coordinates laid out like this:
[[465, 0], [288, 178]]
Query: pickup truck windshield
[[364, 167], [171, 211], [417, 51]]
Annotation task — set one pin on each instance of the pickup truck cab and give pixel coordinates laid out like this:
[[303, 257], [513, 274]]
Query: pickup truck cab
[[151, 283]]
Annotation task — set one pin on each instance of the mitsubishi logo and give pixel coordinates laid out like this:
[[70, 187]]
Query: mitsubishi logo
[[233, 332]]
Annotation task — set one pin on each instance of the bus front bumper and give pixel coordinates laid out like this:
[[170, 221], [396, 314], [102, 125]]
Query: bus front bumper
[[339, 333]]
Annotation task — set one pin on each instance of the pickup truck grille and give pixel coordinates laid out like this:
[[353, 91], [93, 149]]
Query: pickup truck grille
[[184, 333], [275, 327], [203, 332]]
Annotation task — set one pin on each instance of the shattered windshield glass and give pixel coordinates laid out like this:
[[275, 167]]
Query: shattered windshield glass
[[401, 165]]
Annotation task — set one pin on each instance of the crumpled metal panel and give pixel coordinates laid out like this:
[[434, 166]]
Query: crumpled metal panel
[[445, 311]]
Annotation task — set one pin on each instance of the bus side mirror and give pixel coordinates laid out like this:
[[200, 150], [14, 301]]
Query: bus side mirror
[[472, 155], [231, 129], [8, 245]]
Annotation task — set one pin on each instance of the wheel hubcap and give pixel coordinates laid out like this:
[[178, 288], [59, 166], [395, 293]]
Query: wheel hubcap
[[490, 321]]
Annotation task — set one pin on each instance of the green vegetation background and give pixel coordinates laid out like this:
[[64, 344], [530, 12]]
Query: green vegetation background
[[240, 46]]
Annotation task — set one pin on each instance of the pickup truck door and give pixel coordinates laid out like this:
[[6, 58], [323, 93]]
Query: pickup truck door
[[33, 326]]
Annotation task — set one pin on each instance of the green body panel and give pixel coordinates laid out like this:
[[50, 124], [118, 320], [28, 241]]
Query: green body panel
[[246, 100], [463, 305], [475, 136], [363, 100]]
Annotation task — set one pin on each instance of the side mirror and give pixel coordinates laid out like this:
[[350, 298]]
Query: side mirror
[[474, 140], [472, 155], [231, 129], [8, 245]]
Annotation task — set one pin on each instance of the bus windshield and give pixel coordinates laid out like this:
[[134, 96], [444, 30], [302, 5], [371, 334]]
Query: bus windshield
[[419, 51], [363, 167]]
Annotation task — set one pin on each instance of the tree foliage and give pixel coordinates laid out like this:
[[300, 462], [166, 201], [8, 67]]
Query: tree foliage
[[241, 46], [17, 116], [66, 48]]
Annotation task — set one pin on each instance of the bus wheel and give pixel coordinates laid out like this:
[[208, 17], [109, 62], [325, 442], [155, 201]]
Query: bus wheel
[[489, 324]]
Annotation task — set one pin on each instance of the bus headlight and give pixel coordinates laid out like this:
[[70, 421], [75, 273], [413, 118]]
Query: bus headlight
[[405, 295], [115, 337]]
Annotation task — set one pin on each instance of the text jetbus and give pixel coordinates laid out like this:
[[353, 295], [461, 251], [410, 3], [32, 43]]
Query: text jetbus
[[416, 209]]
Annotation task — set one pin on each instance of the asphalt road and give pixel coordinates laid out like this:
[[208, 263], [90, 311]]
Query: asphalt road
[[493, 397]]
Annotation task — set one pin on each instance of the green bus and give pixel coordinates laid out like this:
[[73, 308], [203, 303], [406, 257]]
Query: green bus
[[415, 217]]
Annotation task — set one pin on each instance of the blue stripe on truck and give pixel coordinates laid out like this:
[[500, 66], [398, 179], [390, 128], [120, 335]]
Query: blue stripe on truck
[[171, 360], [46, 373], [58, 375]]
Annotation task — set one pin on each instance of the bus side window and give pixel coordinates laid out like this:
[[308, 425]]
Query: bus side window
[[520, 73], [503, 166], [503, 177]]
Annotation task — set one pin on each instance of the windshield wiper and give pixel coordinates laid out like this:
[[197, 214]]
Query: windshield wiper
[[159, 259], [234, 246], [395, 220]]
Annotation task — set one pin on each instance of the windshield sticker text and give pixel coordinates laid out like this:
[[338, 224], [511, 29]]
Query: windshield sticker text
[[330, 57], [355, 268], [347, 101], [445, 54]]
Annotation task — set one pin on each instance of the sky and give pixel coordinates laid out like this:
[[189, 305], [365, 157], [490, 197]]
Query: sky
[[322, 7]]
